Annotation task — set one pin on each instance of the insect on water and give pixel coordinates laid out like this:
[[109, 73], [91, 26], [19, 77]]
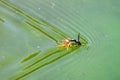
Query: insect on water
[[71, 42]]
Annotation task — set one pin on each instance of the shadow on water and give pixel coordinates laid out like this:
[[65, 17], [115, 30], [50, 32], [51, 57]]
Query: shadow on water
[[49, 56], [49, 53], [39, 22], [1, 20], [30, 56]]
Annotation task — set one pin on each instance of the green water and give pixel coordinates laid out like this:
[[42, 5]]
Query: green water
[[30, 29]]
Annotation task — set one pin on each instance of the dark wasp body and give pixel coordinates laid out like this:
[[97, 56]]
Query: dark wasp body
[[76, 42]]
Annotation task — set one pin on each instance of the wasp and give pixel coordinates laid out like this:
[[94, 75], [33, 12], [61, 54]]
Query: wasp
[[71, 42]]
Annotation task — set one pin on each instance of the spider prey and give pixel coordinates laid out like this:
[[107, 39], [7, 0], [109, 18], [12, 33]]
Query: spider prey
[[71, 42]]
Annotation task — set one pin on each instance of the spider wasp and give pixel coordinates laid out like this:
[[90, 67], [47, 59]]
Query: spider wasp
[[71, 42]]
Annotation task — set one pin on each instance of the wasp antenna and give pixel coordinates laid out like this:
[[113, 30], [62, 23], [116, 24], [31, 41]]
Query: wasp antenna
[[78, 36], [79, 43]]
